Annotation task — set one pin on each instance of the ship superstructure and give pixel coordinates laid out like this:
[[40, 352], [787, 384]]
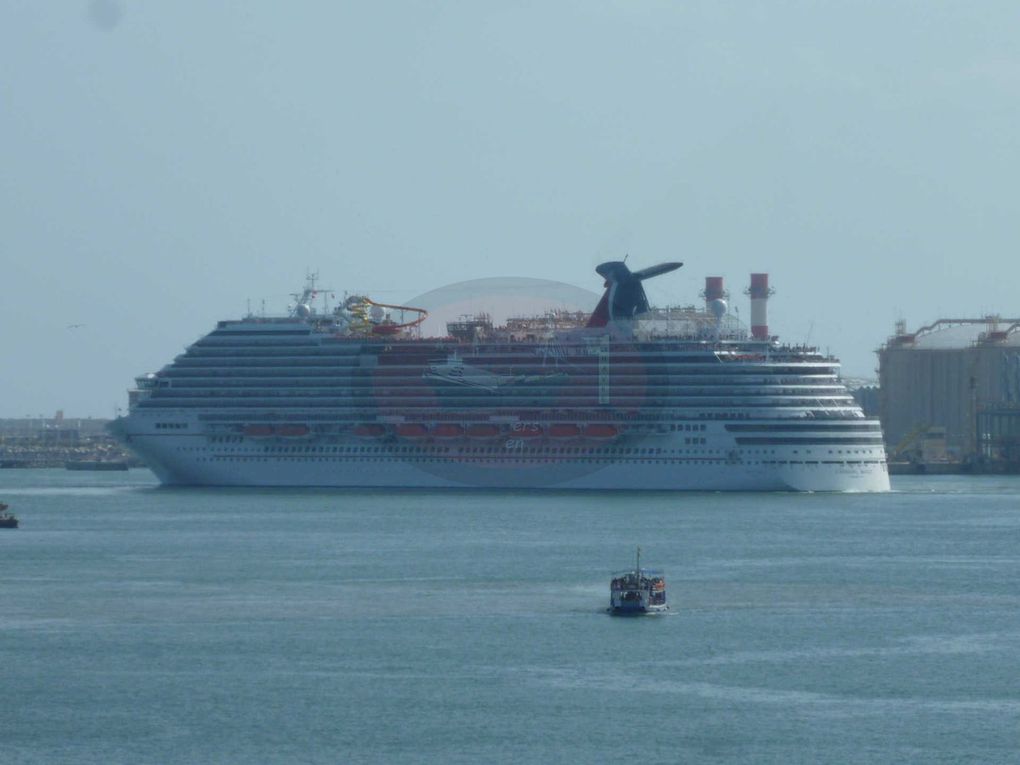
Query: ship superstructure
[[630, 397]]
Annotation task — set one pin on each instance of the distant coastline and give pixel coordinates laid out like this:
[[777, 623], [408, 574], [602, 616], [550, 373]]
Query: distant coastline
[[55, 442]]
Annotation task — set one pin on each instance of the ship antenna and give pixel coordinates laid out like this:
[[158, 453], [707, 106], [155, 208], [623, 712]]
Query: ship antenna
[[639, 562]]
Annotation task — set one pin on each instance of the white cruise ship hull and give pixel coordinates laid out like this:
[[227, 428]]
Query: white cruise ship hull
[[333, 400], [186, 460]]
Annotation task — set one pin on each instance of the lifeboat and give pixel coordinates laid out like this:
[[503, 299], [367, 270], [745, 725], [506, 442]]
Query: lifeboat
[[369, 430], [448, 430], [482, 431], [564, 430], [293, 431], [412, 430], [258, 431], [601, 431], [529, 430]]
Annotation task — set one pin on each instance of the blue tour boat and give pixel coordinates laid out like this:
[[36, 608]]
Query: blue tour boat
[[640, 591]]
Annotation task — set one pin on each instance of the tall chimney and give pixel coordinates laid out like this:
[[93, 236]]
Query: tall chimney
[[759, 293], [713, 290]]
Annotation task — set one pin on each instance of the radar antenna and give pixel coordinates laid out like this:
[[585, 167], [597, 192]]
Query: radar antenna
[[303, 301]]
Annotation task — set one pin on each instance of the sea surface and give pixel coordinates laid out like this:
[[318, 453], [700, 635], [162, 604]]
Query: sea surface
[[149, 625]]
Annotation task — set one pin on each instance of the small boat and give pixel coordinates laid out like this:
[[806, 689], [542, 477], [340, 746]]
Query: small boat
[[483, 431], [448, 430], [7, 521], [564, 430], [600, 431], [526, 430], [640, 591], [370, 430], [412, 430]]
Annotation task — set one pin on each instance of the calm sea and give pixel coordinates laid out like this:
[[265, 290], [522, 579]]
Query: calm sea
[[146, 625]]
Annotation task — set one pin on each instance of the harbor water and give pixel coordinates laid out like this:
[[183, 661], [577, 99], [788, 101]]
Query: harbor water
[[149, 625]]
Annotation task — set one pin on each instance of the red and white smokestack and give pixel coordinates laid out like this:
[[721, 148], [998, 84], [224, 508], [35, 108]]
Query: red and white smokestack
[[713, 290], [759, 293]]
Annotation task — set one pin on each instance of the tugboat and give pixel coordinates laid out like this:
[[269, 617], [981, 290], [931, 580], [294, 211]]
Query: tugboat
[[7, 521], [641, 591]]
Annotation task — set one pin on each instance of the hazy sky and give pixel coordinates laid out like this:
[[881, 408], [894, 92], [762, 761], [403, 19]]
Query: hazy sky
[[163, 162]]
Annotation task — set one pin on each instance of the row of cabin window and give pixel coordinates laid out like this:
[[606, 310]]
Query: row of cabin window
[[473, 450]]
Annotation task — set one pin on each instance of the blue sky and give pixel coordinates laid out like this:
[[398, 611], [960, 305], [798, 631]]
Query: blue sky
[[163, 162]]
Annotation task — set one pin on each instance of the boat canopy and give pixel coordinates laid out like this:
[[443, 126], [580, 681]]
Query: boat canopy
[[646, 572]]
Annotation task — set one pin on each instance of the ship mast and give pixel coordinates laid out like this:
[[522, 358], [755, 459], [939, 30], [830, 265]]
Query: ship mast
[[304, 302]]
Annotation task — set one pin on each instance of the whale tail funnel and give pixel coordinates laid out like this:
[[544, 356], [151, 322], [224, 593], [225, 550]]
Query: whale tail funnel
[[624, 297]]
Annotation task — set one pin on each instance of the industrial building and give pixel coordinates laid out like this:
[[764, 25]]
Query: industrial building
[[54, 441], [951, 391]]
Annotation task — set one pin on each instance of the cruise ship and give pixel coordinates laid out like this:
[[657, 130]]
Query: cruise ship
[[627, 397]]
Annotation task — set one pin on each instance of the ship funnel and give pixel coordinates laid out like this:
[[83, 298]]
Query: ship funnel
[[624, 297], [759, 292], [713, 291]]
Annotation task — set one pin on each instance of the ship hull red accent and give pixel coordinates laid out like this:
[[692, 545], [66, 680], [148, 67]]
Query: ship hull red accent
[[600, 432], [483, 432], [527, 431], [564, 430]]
